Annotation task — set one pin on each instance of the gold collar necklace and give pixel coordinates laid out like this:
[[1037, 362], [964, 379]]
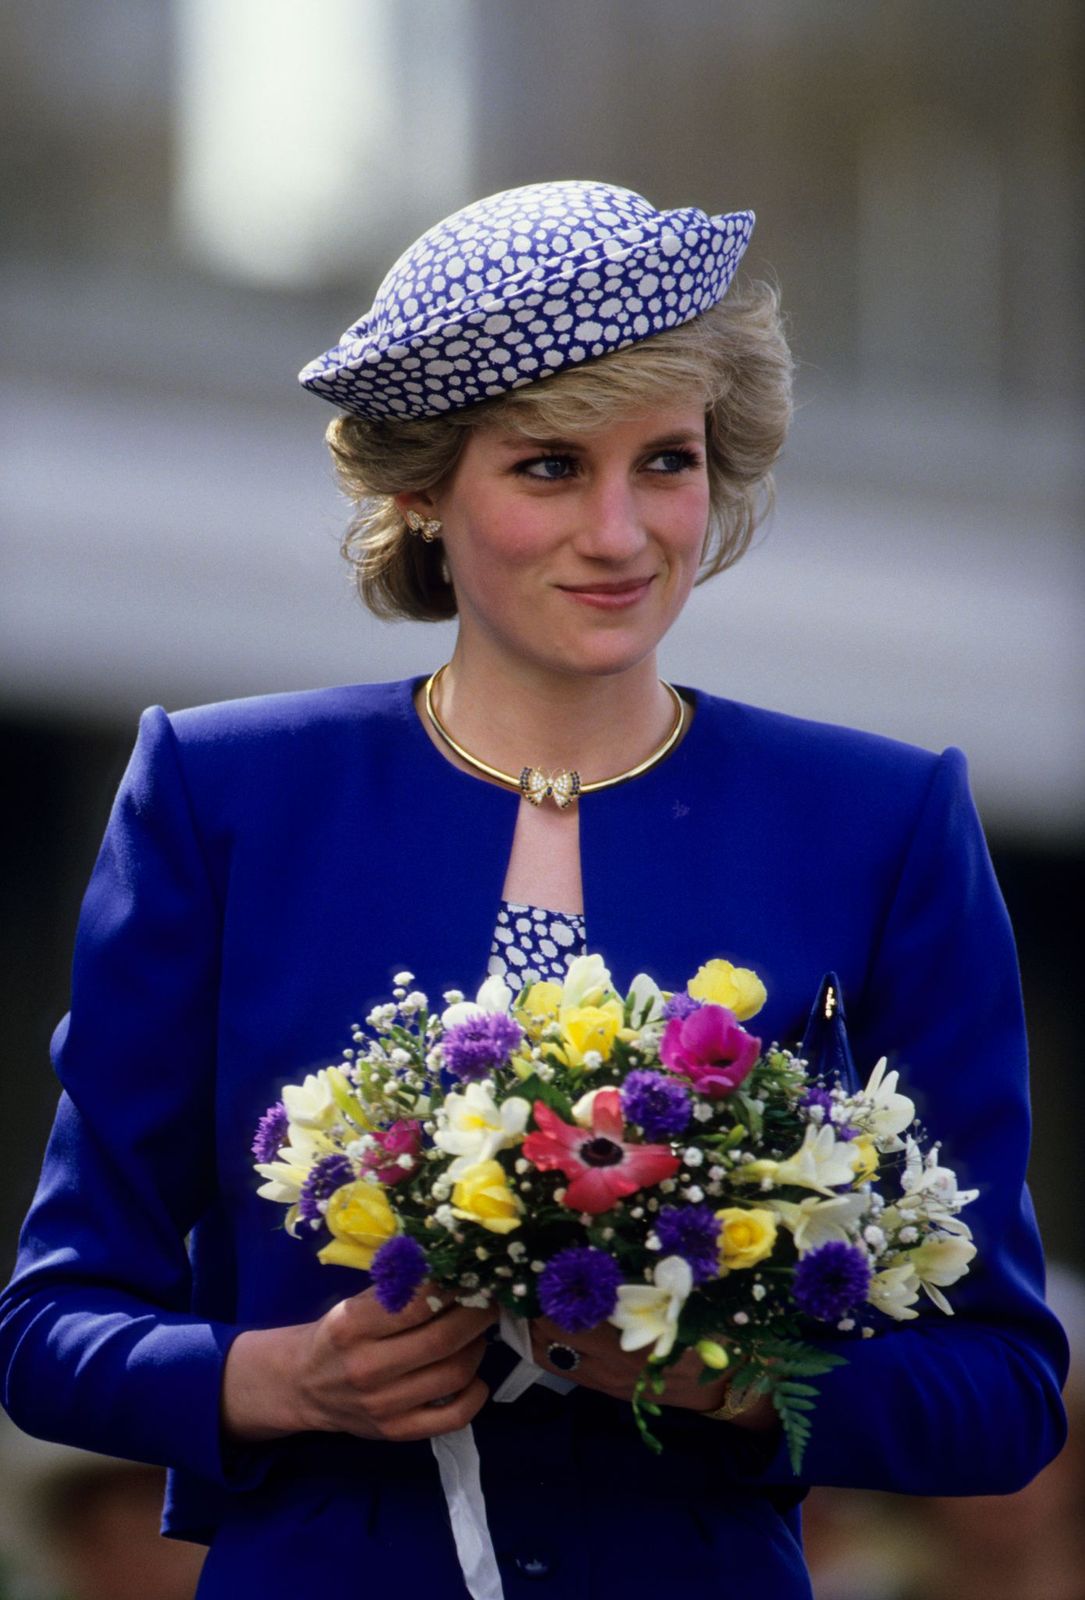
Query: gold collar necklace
[[562, 787]]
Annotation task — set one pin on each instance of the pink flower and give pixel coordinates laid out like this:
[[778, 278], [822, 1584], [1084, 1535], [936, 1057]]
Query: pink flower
[[399, 1139], [601, 1167], [710, 1049]]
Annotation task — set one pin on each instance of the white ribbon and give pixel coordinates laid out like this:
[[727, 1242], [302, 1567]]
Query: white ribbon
[[458, 1464]]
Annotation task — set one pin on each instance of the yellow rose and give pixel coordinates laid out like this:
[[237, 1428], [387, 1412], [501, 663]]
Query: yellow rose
[[745, 1237], [360, 1221], [585, 1028], [537, 1007], [483, 1195], [737, 988], [865, 1154]]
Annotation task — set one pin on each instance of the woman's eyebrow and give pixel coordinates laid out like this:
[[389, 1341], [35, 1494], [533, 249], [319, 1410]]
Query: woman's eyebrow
[[524, 441]]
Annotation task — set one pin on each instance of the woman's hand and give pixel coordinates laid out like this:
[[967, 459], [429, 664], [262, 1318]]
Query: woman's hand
[[605, 1366], [359, 1370]]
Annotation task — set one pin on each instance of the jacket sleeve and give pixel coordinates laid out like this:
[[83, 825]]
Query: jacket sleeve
[[98, 1346], [968, 1404]]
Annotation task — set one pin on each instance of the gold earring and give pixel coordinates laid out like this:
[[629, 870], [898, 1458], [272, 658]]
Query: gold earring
[[428, 527]]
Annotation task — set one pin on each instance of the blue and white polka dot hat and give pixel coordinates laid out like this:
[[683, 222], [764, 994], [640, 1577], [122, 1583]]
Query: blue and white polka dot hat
[[516, 287]]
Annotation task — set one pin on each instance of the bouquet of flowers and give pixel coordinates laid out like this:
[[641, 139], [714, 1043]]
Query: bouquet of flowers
[[638, 1160]]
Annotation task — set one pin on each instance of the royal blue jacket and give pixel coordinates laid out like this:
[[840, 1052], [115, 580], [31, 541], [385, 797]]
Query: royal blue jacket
[[268, 865]]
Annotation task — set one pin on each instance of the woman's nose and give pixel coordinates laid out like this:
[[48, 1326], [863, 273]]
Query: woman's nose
[[611, 525]]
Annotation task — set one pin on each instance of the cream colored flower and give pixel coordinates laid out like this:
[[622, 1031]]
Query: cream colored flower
[[587, 983], [895, 1291], [494, 995], [472, 1126], [938, 1262], [886, 1114], [648, 1002], [648, 1313], [814, 1222], [821, 1162], [312, 1104]]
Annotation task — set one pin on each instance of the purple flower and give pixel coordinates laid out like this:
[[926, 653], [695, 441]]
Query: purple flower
[[831, 1279], [578, 1289], [693, 1233], [325, 1176], [681, 1006], [817, 1096], [399, 1266], [658, 1104], [479, 1046], [271, 1132]]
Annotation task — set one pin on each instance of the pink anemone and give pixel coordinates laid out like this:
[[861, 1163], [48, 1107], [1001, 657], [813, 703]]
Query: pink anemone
[[600, 1165]]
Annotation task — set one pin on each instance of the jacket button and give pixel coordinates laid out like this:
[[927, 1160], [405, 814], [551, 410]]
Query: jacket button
[[532, 1565]]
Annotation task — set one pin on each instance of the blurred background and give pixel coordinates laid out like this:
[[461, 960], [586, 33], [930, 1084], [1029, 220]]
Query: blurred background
[[199, 195]]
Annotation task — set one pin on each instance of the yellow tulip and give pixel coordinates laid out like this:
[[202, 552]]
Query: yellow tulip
[[537, 1006], [722, 984], [745, 1237], [483, 1195], [360, 1220]]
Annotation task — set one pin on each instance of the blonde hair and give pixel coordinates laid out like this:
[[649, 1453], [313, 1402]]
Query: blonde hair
[[734, 357]]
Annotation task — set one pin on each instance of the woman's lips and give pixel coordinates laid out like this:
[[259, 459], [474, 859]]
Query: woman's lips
[[611, 597]]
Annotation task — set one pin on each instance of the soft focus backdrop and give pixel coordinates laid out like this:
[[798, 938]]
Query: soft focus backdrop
[[199, 195]]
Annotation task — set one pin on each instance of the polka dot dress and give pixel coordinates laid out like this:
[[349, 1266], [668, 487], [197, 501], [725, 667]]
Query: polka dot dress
[[519, 285], [531, 944]]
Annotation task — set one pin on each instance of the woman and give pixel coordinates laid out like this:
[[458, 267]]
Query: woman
[[549, 404]]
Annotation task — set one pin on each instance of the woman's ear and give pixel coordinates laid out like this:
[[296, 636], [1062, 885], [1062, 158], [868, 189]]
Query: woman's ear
[[415, 500]]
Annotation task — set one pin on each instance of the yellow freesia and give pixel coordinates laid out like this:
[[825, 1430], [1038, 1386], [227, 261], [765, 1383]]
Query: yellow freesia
[[585, 1028], [360, 1220], [865, 1155], [737, 988], [745, 1237], [483, 1195]]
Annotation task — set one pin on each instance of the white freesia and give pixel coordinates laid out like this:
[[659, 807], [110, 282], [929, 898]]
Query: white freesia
[[886, 1114], [494, 996], [587, 983], [814, 1222], [472, 1126], [648, 1001], [939, 1262], [648, 1313], [895, 1291], [292, 1164], [822, 1162], [930, 1191], [311, 1104]]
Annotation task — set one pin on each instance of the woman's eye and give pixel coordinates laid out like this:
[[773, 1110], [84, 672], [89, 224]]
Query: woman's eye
[[669, 461], [549, 468]]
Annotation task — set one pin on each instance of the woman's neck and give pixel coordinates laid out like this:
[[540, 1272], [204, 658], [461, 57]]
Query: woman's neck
[[527, 716]]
